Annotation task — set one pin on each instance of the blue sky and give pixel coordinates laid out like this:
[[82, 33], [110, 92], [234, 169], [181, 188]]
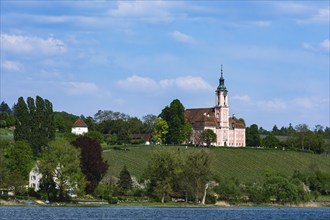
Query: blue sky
[[136, 57]]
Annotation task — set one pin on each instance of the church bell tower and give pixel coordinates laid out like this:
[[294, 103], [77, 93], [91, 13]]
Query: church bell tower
[[221, 106]]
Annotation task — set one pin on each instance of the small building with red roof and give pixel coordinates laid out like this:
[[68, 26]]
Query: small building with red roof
[[79, 127]]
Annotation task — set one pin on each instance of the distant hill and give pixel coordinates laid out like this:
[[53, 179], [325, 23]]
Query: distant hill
[[246, 164]]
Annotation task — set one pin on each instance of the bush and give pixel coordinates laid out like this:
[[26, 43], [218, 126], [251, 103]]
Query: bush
[[210, 199], [112, 200]]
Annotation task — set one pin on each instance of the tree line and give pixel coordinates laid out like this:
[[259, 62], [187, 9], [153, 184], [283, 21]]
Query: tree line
[[300, 138], [170, 127]]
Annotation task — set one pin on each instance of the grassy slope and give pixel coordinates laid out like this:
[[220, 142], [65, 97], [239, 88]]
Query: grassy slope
[[245, 164]]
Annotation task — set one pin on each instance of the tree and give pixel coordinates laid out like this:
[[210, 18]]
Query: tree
[[91, 161], [160, 130], [18, 159], [162, 171], [306, 140], [208, 136], [196, 173], [271, 141], [253, 136], [125, 181], [174, 115], [98, 136], [34, 123], [281, 189], [60, 160], [63, 121], [5, 108], [22, 125], [275, 130], [149, 122], [228, 190]]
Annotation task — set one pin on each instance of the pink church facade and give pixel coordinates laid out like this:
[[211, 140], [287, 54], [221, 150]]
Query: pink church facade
[[230, 131]]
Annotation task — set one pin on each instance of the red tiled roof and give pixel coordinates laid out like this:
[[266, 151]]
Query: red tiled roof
[[79, 123], [235, 123], [201, 117]]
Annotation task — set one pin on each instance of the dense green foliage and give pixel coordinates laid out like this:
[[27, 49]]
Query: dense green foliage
[[171, 173], [91, 161], [160, 130], [174, 115], [208, 137], [117, 127], [271, 141], [7, 118], [300, 138], [34, 123], [253, 136], [60, 162], [18, 161]]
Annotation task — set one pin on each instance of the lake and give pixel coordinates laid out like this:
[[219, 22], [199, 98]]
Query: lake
[[123, 212]]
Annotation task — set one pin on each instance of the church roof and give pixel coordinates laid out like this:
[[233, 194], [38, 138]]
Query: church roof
[[205, 117], [79, 123], [201, 117], [236, 123]]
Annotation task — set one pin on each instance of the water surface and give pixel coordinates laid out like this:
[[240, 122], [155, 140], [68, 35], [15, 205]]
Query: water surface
[[115, 212]]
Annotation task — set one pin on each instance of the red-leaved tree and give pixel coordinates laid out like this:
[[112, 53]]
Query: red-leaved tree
[[91, 161]]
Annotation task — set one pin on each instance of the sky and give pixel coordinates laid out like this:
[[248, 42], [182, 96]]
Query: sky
[[136, 57]]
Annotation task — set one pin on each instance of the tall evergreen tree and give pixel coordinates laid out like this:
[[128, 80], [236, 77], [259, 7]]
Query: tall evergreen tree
[[125, 181], [22, 125], [5, 108], [34, 123]]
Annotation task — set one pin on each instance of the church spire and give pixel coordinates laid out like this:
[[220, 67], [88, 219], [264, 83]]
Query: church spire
[[222, 86]]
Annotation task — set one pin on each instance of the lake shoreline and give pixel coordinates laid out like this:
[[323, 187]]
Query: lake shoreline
[[222, 204]]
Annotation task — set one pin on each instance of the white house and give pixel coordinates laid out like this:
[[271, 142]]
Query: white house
[[79, 127], [34, 178]]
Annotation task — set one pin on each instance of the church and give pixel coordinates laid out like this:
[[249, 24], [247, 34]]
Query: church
[[229, 130]]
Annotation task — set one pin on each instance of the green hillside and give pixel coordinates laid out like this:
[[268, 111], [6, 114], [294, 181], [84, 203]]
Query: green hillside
[[245, 164]]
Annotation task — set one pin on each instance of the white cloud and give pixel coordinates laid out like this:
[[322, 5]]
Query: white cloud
[[138, 83], [273, 105], [321, 16], [243, 98], [167, 83], [78, 88], [260, 24], [149, 11], [12, 66], [325, 44], [181, 37], [188, 83], [322, 46], [291, 7], [31, 44], [192, 83], [305, 103]]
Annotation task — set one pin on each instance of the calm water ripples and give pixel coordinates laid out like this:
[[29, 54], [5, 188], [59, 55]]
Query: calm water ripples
[[82, 213]]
